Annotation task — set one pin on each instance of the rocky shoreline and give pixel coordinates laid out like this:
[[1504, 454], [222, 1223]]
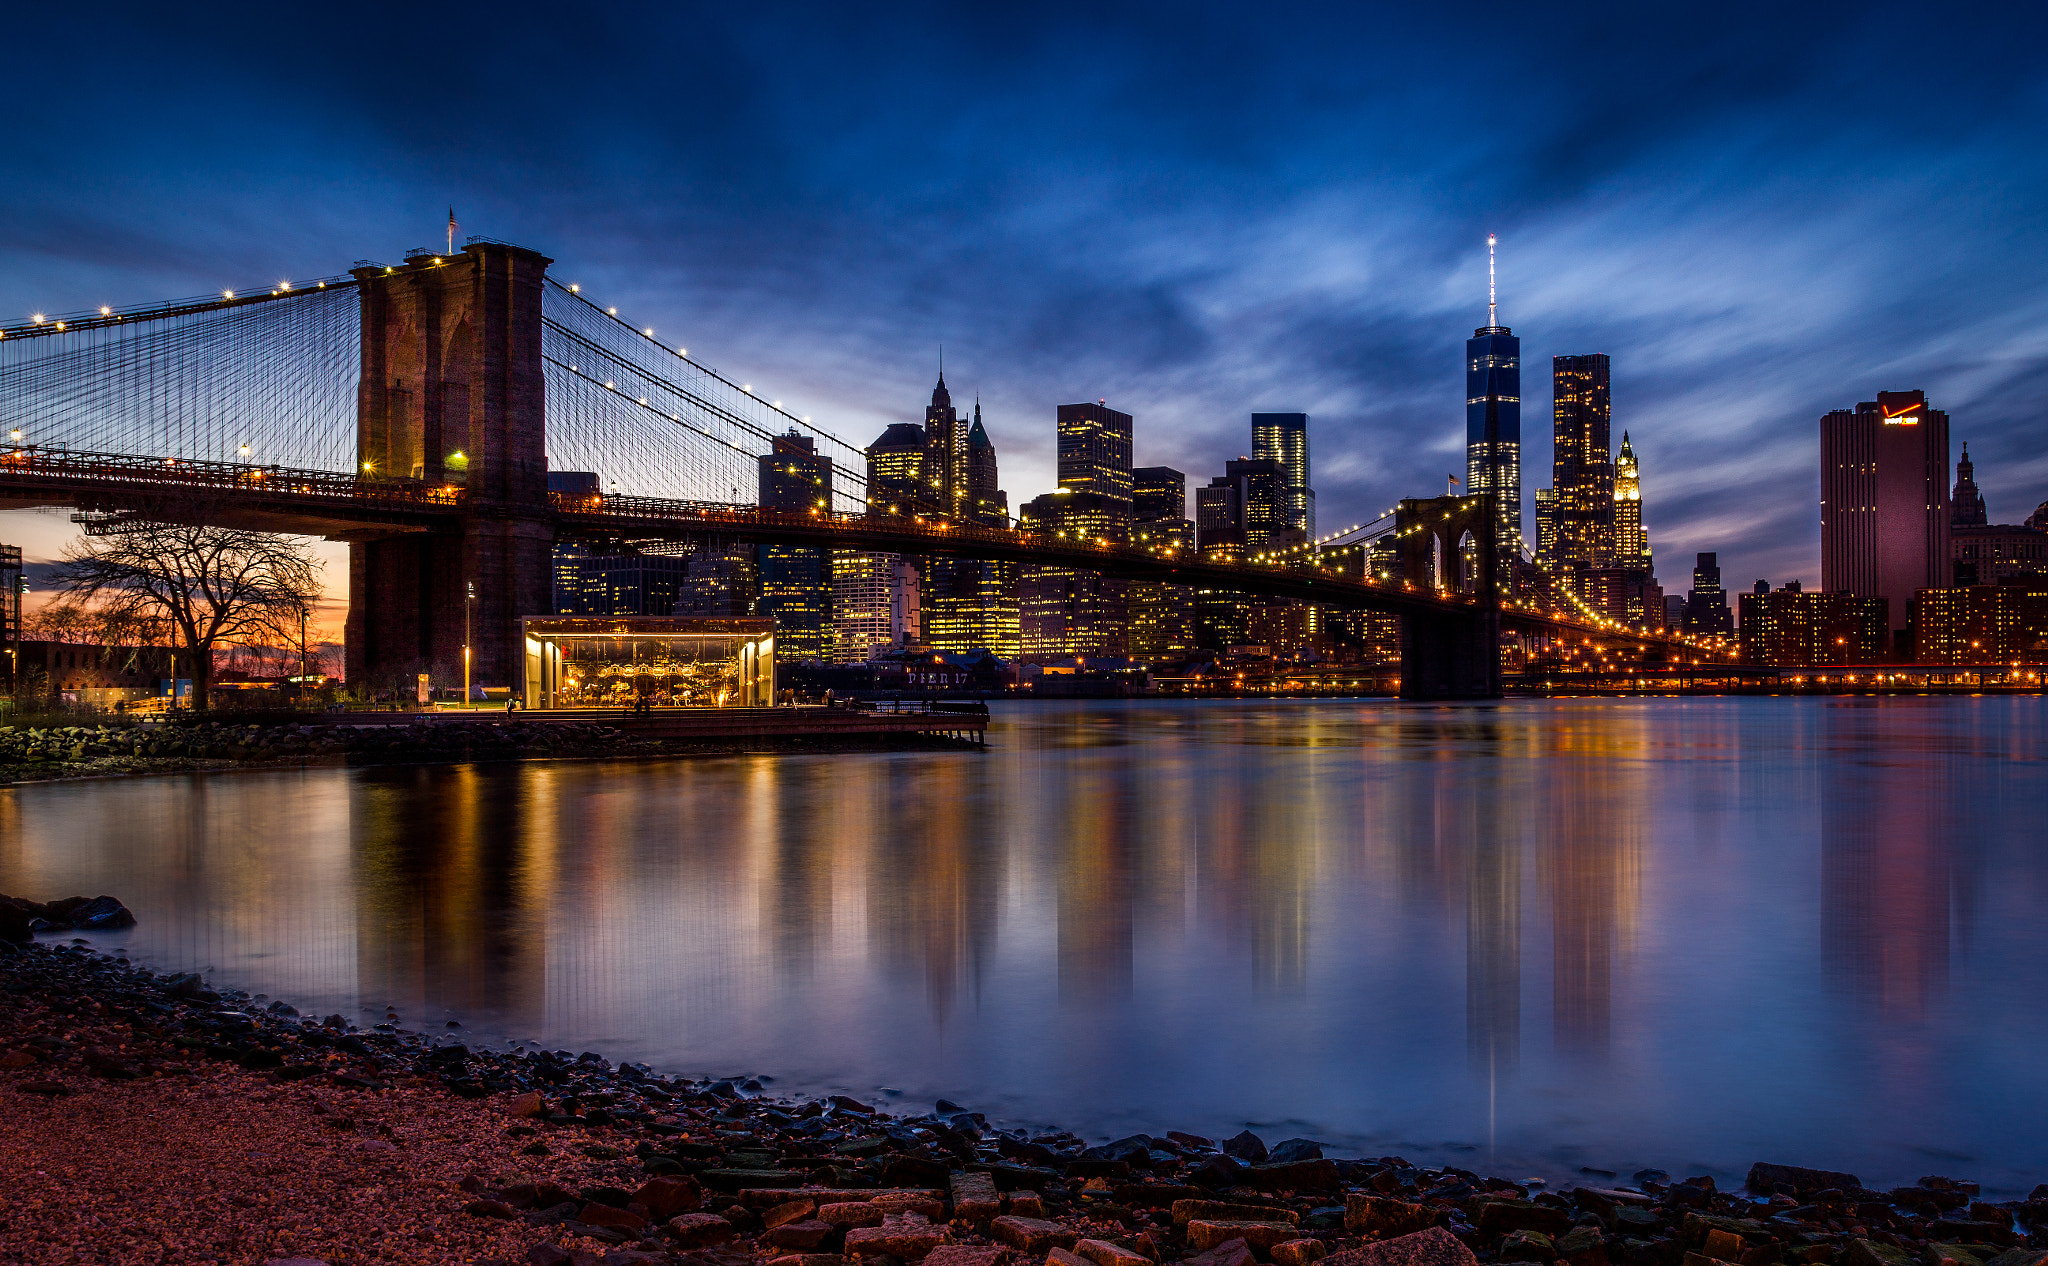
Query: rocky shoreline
[[249, 1133], [39, 754]]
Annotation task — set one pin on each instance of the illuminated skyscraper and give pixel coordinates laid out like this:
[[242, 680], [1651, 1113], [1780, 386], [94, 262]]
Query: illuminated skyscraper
[[970, 604], [1582, 467], [1966, 503], [1095, 457], [899, 472], [1283, 438], [1631, 542], [1493, 419], [796, 582], [1162, 616], [876, 604], [1884, 513], [1061, 611], [945, 462], [1546, 528], [1158, 492], [986, 502], [1706, 604]]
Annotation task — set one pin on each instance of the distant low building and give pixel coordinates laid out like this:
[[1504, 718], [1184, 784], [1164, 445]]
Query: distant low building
[[1790, 628], [102, 676], [1982, 624]]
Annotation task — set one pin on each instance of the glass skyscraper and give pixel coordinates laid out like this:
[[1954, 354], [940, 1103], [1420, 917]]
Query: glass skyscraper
[[1283, 438], [1493, 428]]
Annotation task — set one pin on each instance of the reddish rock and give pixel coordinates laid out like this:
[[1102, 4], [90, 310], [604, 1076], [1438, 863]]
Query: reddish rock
[[1103, 1253], [490, 1209], [1230, 1253], [1061, 1257], [788, 1211], [1433, 1247], [801, 1235], [962, 1255], [924, 1206], [1307, 1175], [698, 1230], [975, 1198], [849, 1213], [664, 1198], [1204, 1235], [1378, 1217], [594, 1214], [1299, 1252], [1024, 1204], [1033, 1235], [1186, 1211], [529, 1104], [909, 1237], [808, 1259]]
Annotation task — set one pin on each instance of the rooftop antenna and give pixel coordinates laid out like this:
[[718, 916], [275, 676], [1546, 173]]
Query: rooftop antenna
[[1492, 301]]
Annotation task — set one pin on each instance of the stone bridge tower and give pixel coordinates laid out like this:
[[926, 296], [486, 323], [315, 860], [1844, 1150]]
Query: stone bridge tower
[[1452, 655], [452, 393]]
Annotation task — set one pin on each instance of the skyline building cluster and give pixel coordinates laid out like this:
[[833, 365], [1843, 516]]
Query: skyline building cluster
[[1892, 532], [1912, 568]]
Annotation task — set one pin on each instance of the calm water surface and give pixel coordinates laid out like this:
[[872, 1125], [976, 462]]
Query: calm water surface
[[1525, 937]]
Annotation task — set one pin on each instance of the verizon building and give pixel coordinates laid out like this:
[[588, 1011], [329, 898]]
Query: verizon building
[[1884, 514]]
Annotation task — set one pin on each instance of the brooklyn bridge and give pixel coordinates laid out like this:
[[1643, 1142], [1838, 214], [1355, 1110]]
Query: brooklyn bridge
[[415, 410]]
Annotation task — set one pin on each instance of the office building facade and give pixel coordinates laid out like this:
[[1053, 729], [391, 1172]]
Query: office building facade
[[1493, 429], [1966, 502], [1158, 494], [796, 582], [1162, 616], [876, 604], [1582, 469], [1631, 538], [1982, 624], [1788, 628], [1706, 603], [1282, 438], [617, 582], [1095, 457], [970, 604], [1884, 502]]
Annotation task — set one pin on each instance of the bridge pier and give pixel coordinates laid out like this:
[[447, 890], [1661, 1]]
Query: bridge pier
[[452, 393], [1452, 655], [407, 596]]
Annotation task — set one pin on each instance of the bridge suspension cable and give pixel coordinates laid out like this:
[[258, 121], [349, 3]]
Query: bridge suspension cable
[[260, 379], [649, 420]]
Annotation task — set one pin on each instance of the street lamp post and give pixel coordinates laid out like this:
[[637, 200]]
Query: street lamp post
[[302, 646], [468, 602]]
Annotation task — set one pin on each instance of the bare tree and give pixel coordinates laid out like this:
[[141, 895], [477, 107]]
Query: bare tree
[[206, 586]]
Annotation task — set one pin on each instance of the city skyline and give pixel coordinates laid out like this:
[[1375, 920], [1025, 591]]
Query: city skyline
[[1321, 248]]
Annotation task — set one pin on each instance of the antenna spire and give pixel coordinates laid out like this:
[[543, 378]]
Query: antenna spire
[[1492, 299]]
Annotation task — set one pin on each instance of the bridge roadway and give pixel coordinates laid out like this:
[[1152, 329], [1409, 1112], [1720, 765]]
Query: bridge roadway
[[343, 507]]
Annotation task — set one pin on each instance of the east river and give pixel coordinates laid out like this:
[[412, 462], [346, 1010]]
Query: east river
[[1522, 937]]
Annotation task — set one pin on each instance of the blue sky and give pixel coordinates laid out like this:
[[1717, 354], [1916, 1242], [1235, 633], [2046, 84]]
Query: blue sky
[[1195, 211]]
